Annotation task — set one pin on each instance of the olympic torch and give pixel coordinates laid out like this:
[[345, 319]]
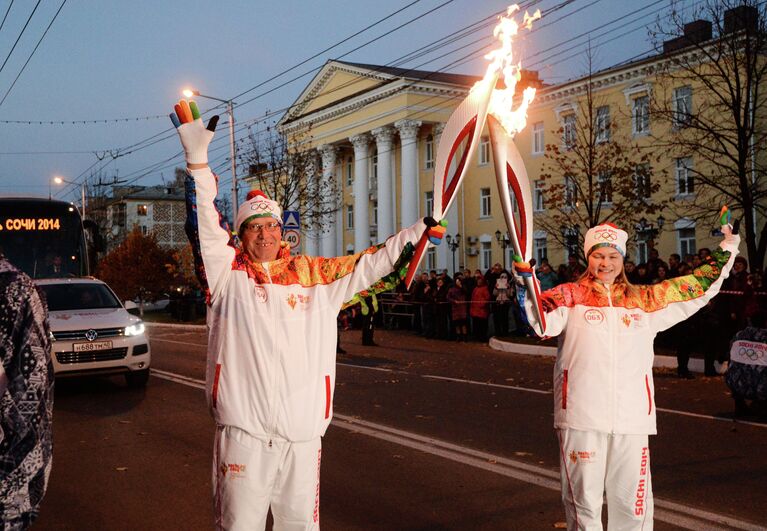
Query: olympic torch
[[462, 133]]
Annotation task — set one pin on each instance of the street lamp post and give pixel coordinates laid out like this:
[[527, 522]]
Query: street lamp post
[[232, 147], [453, 243], [504, 240], [61, 180]]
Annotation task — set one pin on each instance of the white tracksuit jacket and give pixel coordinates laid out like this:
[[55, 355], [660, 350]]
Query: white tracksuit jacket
[[272, 326], [603, 373]]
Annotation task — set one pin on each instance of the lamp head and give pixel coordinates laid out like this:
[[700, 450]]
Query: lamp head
[[58, 180], [188, 93]]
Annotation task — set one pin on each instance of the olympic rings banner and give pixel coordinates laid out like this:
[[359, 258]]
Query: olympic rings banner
[[749, 353]]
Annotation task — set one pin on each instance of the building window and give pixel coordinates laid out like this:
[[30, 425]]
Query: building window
[[682, 106], [605, 183], [144, 230], [429, 148], [485, 256], [603, 124], [570, 235], [349, 216], [375, 213], [569, 134], [642, 184], [571, 191], [484, 151], [640, 114], [373, 176], [428, 203], [538, 196], [685, 184], [431, 258], [538, 138], [686, 241], [484, 202], [142, 210], [350, 171], [540, 250]]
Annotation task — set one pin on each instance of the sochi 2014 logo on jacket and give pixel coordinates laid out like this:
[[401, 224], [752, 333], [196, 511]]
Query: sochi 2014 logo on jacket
[[594, 316], [261, 295]]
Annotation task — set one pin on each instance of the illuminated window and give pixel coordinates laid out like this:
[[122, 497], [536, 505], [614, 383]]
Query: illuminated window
[[141, 210]]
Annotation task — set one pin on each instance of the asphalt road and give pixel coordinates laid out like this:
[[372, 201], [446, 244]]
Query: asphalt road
[[426, 435]]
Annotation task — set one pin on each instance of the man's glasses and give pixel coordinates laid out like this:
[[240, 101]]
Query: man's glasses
[[266, 227]]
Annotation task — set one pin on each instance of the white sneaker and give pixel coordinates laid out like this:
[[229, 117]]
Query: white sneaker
[[721, 368]]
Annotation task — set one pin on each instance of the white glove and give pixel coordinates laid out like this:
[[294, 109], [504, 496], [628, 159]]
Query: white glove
[[195, 137]]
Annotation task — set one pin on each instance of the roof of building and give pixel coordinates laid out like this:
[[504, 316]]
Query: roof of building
[[147, 193]]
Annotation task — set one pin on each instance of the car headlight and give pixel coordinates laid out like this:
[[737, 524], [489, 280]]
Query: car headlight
[[135, 329]]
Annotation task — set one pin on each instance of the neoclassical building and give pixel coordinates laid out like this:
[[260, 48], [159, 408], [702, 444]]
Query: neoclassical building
[[375, 130]]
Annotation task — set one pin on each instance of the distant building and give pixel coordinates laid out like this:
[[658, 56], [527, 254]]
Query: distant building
[[154, 209]]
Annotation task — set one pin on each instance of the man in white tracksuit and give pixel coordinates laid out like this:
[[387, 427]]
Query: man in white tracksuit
[[272, 343], [604, 406]]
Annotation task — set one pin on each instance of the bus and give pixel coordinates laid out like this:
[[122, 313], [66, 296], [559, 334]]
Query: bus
[[43, 237]]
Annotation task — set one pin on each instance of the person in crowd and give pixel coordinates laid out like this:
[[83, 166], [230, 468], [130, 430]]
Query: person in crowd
[[546, 276], [480, 308], [271, 346], [704, 253], [562, 274], [442, 312], [746, 374], [468, 282], [661, 273], [503, 294], [653, 263], [684, 269], [604, 407], [574, 268], [641, 275], [629, 268], [368, 320], [459, 309], [423, 296], [492, 275], [673, 265], [26, 399]]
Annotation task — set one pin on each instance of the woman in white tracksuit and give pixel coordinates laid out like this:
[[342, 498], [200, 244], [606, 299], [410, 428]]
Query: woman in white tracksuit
[[272, 343], [604, 406]]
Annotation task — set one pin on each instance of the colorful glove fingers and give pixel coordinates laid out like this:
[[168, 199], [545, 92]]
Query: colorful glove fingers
[[194, 136], [520, 268], [437, 232]]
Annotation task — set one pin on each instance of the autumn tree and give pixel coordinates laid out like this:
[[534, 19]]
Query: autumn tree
[[138, 268], [596, 173], [710, 97], [290, 174]]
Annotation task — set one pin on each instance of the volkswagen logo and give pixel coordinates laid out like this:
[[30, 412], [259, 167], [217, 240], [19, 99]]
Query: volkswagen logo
[[91, 335]]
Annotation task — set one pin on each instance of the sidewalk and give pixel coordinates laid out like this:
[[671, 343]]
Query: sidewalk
[[508, 344]]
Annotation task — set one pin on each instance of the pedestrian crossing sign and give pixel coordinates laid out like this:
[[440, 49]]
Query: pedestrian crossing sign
[[291, 220]]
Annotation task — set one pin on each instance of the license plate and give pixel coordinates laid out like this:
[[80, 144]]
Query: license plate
[[93, 345]]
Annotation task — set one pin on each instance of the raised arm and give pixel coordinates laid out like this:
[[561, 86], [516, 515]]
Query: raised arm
[[210, 240], [674, 300]]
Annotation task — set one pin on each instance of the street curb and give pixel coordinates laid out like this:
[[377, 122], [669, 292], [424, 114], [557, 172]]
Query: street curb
[[695, 365], [176, 326]]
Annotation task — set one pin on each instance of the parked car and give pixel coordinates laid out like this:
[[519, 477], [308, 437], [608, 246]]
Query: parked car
[[93, 333]]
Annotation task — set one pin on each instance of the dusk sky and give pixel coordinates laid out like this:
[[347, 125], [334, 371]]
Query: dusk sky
[[104, 60]]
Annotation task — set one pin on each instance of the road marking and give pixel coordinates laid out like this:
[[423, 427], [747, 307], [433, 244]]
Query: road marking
[[540, 391], [178, 342], [665, 511]]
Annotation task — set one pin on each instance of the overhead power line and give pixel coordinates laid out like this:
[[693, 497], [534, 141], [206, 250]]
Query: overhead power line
[[20, 34]]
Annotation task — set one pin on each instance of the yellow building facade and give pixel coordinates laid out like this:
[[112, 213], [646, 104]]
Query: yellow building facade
[[376, 130]]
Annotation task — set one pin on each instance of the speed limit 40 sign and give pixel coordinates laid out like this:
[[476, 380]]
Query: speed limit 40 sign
[[293, 237]]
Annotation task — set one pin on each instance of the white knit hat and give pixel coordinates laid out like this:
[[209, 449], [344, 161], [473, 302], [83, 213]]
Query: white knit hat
[[605, 235], [257, 205]]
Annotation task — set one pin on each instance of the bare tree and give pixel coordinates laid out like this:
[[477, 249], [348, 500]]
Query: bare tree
[[596, 174], [291, 175], [710, 96]]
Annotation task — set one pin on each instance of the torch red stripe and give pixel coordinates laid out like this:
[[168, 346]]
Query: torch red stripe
[[327, 396], [511, 177], [448, 192], [214, 390]]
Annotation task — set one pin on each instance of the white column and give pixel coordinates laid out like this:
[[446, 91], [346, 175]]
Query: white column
[[361, 143], [328, 238], [408, 133], [311, 229], [384, 137]]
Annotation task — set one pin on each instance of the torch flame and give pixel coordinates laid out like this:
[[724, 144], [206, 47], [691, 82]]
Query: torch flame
[[501, 61]]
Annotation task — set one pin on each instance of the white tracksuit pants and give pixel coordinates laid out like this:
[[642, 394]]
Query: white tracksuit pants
[[594, 463], [252, 474]]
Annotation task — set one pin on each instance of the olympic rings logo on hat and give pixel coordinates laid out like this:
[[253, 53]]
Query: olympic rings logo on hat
[[750, 353], [608, 235], [260, 205]]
